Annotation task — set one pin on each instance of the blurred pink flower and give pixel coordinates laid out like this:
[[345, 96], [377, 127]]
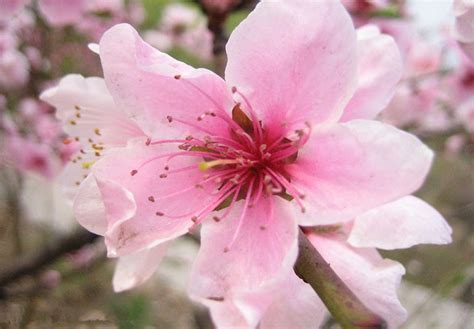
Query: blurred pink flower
[[30, 156], [14, 69], [9, 7], [62, 12], [183, 27], [422, 58], [454, 144], [170, 147], [464, 28], [465, 114]]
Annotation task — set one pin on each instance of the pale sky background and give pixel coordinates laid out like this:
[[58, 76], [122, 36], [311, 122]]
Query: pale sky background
[[431, 15]]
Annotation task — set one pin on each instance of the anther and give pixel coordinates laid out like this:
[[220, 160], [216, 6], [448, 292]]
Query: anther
[[194, 219], [169, 118], [166, 168], [234, 89], [151, 198], [133, 172], [148, 141], [216, 219], [72, 122], [263, 227], [97, 132], [163, 175], [159, 213], [226, 249], [177, 76]]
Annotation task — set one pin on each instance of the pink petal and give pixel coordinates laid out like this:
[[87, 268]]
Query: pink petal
[[87, 110], [296, 306], [165, 200], [373, 279], [89, 208], [261, 257], [153, 86], [89, 116], [120, 205], [294, 60], [353, 167], [400, 224], [134, 269], [380, 69]]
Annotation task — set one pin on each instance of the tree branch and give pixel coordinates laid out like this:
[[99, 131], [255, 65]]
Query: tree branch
[[31, 264], [341, 302]]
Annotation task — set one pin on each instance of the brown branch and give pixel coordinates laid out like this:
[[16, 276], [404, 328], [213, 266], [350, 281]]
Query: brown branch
[[341, 302], [31, 264]]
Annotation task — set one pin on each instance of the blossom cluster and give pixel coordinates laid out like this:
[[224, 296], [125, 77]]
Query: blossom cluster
[[303, 135]]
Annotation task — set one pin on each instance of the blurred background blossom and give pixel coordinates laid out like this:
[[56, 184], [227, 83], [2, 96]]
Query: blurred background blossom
[[43, 40]]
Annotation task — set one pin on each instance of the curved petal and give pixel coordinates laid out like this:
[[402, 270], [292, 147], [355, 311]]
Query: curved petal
[[247, 270], [379, 71], [371, 278], [134, 269], [353, 167], [295, 61], [167, 191], [400, 224], [89, 209], [296, 306], [153, 87]]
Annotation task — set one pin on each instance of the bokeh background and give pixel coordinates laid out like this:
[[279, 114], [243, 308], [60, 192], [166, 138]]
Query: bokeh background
[[39, 44]]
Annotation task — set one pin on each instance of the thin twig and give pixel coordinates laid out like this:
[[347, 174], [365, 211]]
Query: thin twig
[[31, 264], [341, 302]]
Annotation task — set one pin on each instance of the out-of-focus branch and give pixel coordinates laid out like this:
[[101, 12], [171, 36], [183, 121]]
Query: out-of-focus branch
[[341, 302], [216, 18], [31, 264], [39, 287]]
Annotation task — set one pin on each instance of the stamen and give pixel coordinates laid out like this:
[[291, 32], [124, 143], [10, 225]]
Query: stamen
[[203, 166], [242, 216]]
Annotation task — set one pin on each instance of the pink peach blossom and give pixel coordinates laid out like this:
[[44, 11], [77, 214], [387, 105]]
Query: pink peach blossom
[[286, 140]]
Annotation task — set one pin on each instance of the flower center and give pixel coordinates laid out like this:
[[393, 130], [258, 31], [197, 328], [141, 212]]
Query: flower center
[[248, 163]]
